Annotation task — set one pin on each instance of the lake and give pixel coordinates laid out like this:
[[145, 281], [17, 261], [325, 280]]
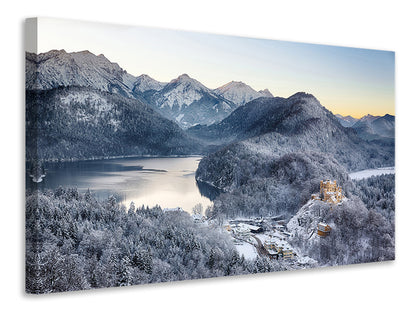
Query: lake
[[166, 181], [364, 174]]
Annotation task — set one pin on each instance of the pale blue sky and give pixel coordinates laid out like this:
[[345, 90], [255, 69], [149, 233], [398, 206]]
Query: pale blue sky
[[348, 81]]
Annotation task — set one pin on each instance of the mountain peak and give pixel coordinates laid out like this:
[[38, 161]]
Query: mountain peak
[[301, 94], [145, 83], [184, 77], [83, 69], [233, 85], [346, 121], [239, 92], [144, 77], [266, 92], [189, 102], [56, 51], [237, 83], [368, 117]]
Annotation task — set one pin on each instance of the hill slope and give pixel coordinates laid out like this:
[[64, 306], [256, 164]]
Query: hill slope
[[79, 123], [357, 234], [262, 184], [376, 128]]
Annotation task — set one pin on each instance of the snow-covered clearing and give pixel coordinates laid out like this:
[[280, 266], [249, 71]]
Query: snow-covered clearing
[[371, 172], [247, 250]]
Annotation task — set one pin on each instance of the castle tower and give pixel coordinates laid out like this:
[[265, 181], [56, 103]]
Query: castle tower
[[330, 192]]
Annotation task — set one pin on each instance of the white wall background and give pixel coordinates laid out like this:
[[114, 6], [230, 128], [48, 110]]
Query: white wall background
[[378, 24]]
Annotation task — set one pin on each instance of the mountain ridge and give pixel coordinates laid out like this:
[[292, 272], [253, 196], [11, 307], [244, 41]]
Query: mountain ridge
[[57, 68], [240, 93], [184, 100], [189, 102], [281, 126], [373, 128]]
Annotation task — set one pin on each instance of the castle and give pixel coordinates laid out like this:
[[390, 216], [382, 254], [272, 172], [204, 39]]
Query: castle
[[329, 192]]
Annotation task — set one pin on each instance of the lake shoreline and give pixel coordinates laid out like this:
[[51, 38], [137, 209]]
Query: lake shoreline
[[367, 173], [147, 156]]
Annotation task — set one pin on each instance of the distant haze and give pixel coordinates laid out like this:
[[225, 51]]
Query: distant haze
[[348, 81]]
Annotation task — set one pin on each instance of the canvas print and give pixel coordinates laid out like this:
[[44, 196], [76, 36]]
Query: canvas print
[[157, 155]]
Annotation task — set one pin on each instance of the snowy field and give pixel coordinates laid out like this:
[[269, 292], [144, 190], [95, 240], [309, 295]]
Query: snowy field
[[371, 172], [247, 250]]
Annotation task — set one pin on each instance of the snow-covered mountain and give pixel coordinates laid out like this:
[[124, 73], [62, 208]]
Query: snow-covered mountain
[[300, 115], [266, 128], [144, 83], [240, 93], [384, 126], [372, 127], [346, 121], [184, 99], [189, 102], [84, 69], [369, 118], [266, 93]]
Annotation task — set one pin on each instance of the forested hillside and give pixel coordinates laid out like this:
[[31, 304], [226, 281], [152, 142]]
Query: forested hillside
[[78, 123], [298, 123], [266, 185], [378, 193], [357, 234], [283, 149]]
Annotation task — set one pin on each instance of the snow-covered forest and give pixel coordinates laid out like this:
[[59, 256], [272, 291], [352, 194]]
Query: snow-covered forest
[[378, 193], [75, 242], [70, 123]]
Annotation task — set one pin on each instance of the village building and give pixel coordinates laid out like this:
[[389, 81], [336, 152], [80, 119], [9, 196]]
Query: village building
[[323, 229], [287, 253], [278, 248], [254, 228], [242, 231], [228, 228]]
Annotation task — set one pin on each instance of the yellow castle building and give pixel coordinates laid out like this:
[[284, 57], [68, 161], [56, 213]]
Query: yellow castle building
[[329, 192]]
